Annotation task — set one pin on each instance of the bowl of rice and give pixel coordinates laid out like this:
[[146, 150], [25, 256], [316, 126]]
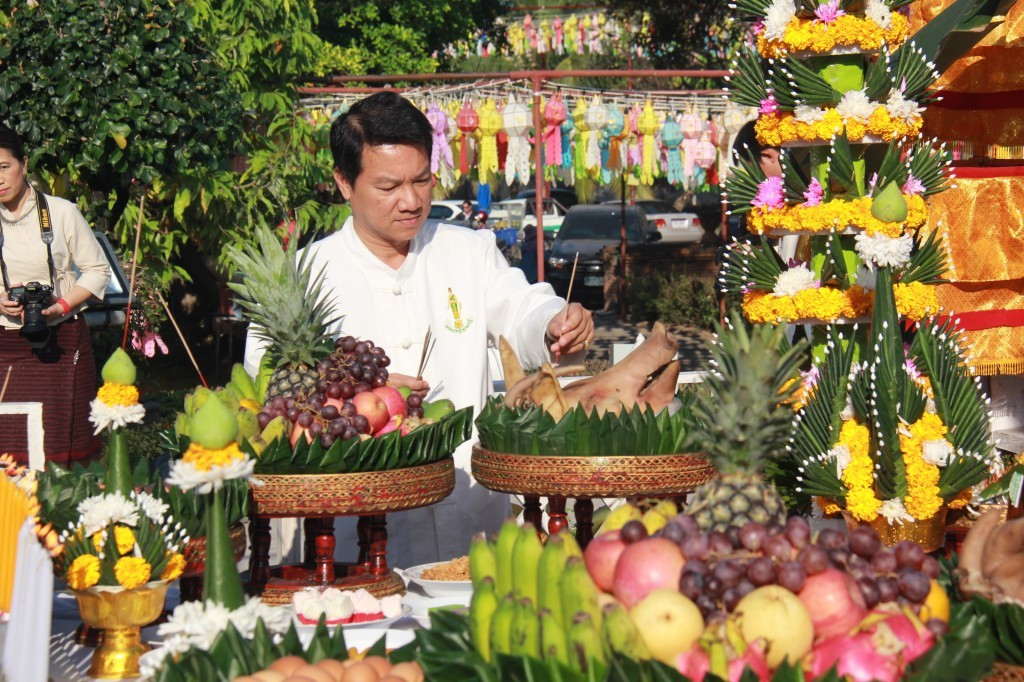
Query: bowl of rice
[[442, 578]]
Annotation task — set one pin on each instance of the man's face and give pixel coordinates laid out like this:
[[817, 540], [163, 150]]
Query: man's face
[[770, 163], [467, 207], [391, 197]]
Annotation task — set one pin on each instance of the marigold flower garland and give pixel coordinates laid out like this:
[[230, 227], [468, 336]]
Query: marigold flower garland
[[914, 300], [778, 129], [848, 31], [836, 214]]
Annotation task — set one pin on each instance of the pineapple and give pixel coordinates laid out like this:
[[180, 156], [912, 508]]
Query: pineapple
[[743, 423], [284, 297]]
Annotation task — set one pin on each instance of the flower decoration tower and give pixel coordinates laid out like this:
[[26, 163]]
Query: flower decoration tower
[[891, 428]]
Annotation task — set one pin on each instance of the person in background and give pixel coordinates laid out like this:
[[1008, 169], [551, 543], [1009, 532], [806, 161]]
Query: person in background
[[467, 212], [45, 350]]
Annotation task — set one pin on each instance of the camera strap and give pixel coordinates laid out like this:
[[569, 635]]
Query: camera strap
[[45, 233]]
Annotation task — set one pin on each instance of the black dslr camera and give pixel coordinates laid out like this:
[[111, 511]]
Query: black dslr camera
[[34, 297]]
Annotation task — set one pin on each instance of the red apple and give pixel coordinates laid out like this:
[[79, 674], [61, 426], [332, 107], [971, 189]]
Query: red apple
[[373, 408], [601, 556], [393, 399], [644, 566], [298, 431], [394, 424], [834, 601]]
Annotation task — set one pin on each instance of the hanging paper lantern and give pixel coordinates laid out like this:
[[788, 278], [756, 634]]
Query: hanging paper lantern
[[441, 163], [706, 152], [672, 137], [734, 118], [579, 116], [691, 124], [554, 115], [468, 121], [648, 124], [596, 119], [490, 124], [616, 131], [516, 118]]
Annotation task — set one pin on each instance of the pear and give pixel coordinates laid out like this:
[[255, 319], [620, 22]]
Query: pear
[[119, 369], [889, 206], [213, 425], [194, 401]]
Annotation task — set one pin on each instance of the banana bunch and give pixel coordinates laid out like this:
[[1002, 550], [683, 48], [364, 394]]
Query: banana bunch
[[539, 600], [654, 519], [242, 399]]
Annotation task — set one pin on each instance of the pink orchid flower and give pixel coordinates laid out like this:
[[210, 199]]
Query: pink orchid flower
[[814, 194], [829, 12], [769, 105], [913, 186], [148, 343], [770, 194]]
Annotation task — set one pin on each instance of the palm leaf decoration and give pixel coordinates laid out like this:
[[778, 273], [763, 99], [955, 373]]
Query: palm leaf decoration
[[749, 84], [794, 181], [841, 165], [743, 182], [887, 374], [927, 263], [750, 10], [959, 401], [930, 165], [793, 82], [891, 169], [749, 267]]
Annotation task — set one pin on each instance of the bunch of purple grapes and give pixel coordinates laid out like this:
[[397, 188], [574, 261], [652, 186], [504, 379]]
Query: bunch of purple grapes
[[327, 412], [722, 568]]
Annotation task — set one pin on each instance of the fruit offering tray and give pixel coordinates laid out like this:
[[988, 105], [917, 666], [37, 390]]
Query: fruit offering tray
[[425, 445], [588, 477]]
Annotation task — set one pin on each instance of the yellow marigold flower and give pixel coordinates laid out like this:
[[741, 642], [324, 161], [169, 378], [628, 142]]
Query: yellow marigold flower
[[97, 541], [962, 499], [809, 35], [206, 460], [84, 572], [125, 539], [923, 503], [118, 395], [774, 130], [863, 504], [132, 572], [915, 300], [828, 507], [174, 568], [833, 215]]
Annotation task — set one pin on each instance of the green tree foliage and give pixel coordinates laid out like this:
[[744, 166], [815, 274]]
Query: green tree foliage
[[114, 92], [402, 37]]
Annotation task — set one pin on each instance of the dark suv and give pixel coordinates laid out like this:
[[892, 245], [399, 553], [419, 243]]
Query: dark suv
[[587, 230]]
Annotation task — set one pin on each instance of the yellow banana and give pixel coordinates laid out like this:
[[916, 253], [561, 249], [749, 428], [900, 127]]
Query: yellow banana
[[620, 634], [619, 517], [525, 558], [666, 508], [242, 382], [553, 645], [501, 626], [482, 562], [579, 593], [504, 552], [584, 644], [549, 570], [481, 611], [653, 521], [719, 659], [525, 630], [572, 548]]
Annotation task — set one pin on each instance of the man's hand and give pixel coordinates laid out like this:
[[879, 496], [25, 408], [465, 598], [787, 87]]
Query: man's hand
[[571, 330], [9, 307], [412, 383]]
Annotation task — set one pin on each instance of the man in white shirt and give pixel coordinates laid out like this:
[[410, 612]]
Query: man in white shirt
[[391, 279]]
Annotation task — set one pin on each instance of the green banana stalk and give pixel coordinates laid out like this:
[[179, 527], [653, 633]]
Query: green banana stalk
[[483, 564], [242, 382], [507, 537], [584, 643], [579, 593], [549, 570], [525, 558], [620, 634], [501, 626], [481, 612], [553, 645], [525, 630]]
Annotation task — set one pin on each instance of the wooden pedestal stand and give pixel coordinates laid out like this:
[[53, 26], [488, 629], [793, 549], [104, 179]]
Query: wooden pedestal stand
[[318, 499], [584, 478]]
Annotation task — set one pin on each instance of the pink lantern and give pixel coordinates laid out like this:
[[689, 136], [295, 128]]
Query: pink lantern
[[468, 121], [691, 125]]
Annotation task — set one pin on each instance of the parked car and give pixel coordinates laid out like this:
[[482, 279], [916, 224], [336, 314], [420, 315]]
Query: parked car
[[566, 197], [674, 226], [586, 230], [522, 214], [447, 210]]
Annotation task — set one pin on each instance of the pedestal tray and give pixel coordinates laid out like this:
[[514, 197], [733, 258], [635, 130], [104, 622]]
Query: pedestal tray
[[585, 478], [319, 498]]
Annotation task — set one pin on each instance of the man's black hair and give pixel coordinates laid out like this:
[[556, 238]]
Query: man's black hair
[[380, 119], [746, 144], [10, 141]]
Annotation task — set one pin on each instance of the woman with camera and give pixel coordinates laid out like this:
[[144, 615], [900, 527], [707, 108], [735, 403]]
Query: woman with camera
[[51, 265]]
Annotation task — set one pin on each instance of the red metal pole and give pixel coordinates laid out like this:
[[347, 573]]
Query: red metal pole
[[538, 179], [544, 74]]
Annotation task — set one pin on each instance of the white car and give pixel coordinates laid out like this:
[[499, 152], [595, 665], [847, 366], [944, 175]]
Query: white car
[[447, 210], [675, 227], [522, 214]]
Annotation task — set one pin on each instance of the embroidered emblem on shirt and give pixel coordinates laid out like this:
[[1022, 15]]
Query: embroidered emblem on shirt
[[457, 323]]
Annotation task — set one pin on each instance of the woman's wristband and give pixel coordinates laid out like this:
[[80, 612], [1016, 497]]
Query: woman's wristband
[[65, 307]]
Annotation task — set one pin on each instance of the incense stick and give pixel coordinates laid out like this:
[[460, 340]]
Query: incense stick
[[135, 263], [181, 336], [568, 294], [428, 348]]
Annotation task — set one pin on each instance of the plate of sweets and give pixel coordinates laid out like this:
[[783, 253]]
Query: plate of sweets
[[347, 608], [442, 578]]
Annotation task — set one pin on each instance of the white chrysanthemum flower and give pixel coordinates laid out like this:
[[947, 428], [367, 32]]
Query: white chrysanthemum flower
[[884, 251], [795, 279], [114, 416], [777, 18], [842, 457], [99, 511], [866, 278], [186, 476], [937, 452], [902, 108], [808, 114], [152, 507], [895, 512], [878, 12], [855, 104]]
